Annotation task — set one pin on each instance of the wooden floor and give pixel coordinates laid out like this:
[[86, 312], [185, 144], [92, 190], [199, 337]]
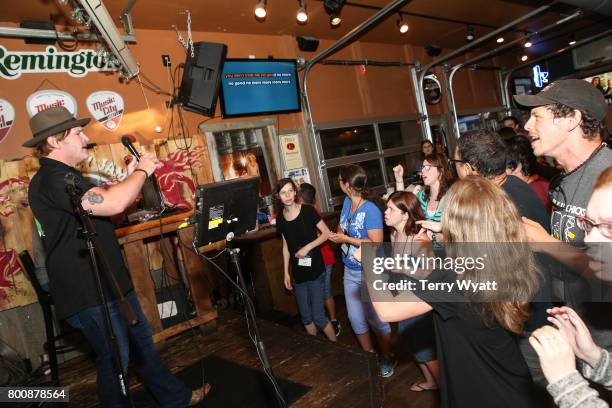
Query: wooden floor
[[340, 375]]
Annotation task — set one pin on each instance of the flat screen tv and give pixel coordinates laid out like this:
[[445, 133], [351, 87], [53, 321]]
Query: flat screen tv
[[259, 87]]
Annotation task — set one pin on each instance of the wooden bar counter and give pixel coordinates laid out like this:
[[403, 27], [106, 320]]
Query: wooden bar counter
[[175, 246]]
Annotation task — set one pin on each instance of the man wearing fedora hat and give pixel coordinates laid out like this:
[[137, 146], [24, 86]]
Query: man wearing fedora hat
[[566, 123], [60, 143]]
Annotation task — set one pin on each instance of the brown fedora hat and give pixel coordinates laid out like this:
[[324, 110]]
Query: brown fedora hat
[[51, 122]]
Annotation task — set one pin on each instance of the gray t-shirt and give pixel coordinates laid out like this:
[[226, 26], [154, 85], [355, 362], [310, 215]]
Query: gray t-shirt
[[571, 196]]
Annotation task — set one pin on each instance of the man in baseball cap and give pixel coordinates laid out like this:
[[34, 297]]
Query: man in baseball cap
[[60, 143], [566, 123]]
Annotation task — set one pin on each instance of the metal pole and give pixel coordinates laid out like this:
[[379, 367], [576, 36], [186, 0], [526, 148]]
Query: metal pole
[[504, 92], [16, 32], [421, 104], [450, 98]]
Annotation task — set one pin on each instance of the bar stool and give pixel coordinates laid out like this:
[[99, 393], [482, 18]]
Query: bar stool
[[44, 298]]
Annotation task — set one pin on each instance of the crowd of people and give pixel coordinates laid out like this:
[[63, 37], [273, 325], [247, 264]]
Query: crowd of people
[[542, 330]]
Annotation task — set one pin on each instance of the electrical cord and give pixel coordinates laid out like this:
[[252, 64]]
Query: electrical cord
[[250, 318]]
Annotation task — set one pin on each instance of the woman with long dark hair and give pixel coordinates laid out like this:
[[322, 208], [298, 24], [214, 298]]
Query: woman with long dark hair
[[417, 333], [302, 260], [361, 221]]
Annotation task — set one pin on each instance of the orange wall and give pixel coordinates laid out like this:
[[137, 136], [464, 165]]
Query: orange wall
[[337, 93]]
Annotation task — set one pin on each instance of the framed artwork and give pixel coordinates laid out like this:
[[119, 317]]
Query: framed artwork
[[244, 149]]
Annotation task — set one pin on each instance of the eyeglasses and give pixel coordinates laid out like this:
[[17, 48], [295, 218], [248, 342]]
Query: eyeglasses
[[428, 167], [587, 225], [455, 161]]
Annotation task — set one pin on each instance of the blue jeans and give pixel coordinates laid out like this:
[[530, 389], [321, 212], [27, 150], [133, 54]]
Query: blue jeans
[[165, 387], [310, 300], [327, 291], [361, 312]]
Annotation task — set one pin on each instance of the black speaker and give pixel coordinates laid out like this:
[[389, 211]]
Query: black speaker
[[201, 77], [307, 43]]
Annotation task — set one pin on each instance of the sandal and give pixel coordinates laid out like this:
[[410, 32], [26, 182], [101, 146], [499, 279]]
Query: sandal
[[198, 395], [418, 387]]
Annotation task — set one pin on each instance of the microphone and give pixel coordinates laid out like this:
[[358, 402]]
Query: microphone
[[127, 141], [90, 146]]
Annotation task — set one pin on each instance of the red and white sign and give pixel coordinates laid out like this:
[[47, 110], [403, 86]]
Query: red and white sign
[[41, 100], [7, 117], [107, 108]]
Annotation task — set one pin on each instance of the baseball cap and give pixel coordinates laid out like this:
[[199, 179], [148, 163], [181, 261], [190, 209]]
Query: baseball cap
[[575, 93]]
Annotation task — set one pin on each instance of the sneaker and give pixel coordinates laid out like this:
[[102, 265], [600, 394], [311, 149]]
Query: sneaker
[[336, 326], [387, 367]]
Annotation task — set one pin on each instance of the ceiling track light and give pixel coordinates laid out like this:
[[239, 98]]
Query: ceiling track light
[[333, 8], [402, 25], [302, 15], [527, 44], [572, 40], [334, 19], [260, 10], [524, 58], [500, 39], [469, 33]]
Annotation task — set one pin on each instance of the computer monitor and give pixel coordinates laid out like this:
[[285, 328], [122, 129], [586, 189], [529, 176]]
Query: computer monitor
[[224, 207]]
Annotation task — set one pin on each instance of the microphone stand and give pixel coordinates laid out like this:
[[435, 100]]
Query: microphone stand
[[93, 245], [259, 345]]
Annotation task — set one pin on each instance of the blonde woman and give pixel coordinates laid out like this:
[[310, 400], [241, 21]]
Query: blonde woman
[[481, 364]]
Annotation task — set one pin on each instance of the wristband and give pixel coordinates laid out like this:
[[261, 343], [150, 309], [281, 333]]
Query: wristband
[[144, 171]]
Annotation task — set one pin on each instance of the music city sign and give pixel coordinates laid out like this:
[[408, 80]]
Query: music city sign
[[76, 64]]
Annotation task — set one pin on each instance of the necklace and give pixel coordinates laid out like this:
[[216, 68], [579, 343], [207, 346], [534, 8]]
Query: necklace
[[358, 204]]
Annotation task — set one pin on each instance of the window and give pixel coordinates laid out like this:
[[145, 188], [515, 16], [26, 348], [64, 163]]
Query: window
[[348, 141], [397, 134], [377, 147]]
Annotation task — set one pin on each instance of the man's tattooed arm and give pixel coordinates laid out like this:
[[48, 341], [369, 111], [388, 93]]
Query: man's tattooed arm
[[93, 198]]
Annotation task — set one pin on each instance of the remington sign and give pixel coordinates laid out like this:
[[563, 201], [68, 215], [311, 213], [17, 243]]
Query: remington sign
[[76, 64]]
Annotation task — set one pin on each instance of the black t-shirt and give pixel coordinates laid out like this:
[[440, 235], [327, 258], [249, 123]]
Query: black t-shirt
[[526, 200], [71, 279], [530, 206], [481, 364], [297, 233]]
